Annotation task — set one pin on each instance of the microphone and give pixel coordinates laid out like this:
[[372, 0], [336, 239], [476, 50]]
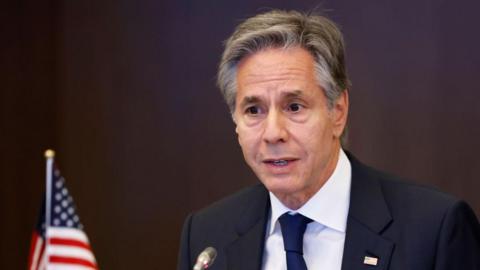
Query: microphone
[[205, 259]]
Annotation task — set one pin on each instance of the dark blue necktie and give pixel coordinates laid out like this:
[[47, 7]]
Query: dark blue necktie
[[293, 227]]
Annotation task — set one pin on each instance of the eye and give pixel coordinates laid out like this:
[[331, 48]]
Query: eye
[[252, 110], [294, 107]]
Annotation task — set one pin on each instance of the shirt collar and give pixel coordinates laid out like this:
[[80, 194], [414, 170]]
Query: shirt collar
[[329, 206]]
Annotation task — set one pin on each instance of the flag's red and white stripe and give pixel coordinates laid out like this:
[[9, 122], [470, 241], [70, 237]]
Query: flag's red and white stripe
[[36, 251], [68, 249]]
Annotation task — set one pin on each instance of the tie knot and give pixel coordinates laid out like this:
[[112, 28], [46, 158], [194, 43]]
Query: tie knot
[[293, 227]]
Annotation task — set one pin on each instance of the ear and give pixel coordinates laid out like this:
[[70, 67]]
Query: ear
[[340, 113], [235, 122]]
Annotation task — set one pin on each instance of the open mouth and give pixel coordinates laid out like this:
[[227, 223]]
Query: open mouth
[[279, 162]]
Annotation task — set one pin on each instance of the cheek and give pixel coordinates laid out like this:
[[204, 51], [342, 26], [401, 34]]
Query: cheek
[[247, 138], [314, 136]]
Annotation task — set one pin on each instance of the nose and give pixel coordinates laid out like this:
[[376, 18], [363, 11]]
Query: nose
[[275, 130]]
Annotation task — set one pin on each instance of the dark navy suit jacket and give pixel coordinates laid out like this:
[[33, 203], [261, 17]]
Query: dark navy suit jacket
[[405, 226]]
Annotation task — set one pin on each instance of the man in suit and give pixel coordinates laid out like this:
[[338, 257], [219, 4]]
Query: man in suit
[[317, 207]]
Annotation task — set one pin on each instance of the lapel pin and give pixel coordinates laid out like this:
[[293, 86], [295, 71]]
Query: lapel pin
[[370, 260]]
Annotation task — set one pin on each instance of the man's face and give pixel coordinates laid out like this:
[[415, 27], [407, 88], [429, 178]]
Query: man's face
[[288, 135]]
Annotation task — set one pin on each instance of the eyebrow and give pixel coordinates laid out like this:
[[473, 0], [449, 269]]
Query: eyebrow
[[294, 94], [249, 100], [255, 99]]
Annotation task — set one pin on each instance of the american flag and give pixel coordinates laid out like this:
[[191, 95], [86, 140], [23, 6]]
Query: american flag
[[68, 247]]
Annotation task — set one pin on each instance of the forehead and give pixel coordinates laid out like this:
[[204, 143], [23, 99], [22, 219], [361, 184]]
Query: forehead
[[275, 65]]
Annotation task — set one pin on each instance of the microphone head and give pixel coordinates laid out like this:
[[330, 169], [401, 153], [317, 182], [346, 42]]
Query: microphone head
[[205, 259]]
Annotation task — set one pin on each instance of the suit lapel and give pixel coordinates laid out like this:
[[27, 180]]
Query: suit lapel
[[246, 251], [368, 216], [365, 249]]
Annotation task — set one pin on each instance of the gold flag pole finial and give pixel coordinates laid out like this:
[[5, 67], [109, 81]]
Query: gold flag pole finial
[[49, 153]]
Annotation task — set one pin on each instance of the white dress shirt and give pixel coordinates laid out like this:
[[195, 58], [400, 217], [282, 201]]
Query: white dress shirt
[[324, 238]]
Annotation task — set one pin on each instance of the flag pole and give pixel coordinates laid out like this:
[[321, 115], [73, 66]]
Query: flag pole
[[49, 156]]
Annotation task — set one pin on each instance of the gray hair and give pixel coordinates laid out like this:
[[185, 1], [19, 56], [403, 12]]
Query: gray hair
[[276, 29]]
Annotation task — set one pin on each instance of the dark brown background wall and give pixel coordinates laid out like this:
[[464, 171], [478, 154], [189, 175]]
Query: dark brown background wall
[[124, 91]]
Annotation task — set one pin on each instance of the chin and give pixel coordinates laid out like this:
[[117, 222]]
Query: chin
[[281, 186]]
